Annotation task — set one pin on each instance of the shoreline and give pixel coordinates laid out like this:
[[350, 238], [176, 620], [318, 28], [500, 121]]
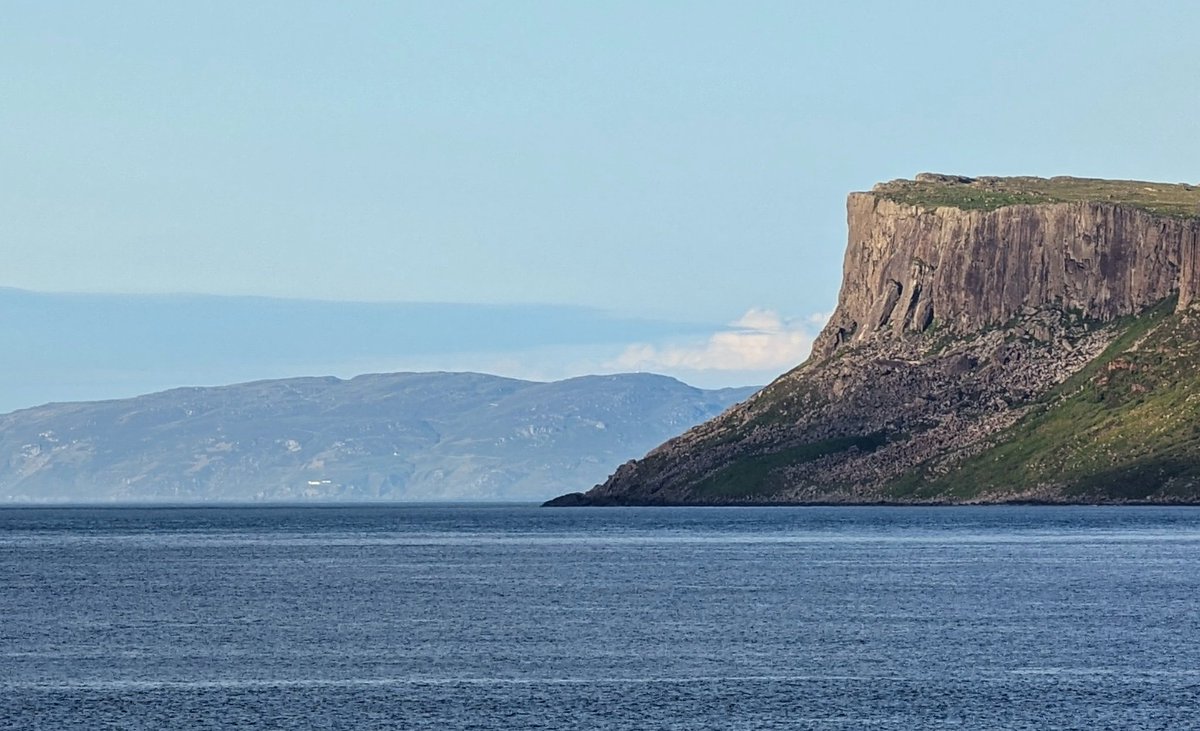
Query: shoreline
[[579, 500]]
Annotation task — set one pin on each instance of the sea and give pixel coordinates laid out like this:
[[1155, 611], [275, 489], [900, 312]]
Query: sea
[[519, 617]]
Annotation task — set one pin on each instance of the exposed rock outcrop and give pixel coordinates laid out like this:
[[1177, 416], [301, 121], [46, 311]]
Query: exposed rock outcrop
[[908, 268], [973, 316]]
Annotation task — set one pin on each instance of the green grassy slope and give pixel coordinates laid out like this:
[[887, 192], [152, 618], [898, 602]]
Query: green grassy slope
[[764, 474], [1180, 200], [1126, 427]]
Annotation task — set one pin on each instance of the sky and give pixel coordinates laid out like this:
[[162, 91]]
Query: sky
[[667, 162]]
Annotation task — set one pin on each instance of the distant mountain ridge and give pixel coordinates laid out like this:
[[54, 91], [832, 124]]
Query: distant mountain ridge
[[401, 436]]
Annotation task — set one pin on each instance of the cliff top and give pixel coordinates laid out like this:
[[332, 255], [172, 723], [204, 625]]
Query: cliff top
[[990, 193]]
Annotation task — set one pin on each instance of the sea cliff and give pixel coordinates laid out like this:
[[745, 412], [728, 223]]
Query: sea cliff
[[995, 339]]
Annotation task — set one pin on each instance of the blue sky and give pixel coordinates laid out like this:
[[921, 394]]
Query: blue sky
[[670, 161]]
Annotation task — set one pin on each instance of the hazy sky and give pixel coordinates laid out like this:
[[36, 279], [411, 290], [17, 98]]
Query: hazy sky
[[672, 160]]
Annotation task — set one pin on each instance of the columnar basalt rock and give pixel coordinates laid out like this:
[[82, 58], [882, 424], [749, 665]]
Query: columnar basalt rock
[[908, 267]]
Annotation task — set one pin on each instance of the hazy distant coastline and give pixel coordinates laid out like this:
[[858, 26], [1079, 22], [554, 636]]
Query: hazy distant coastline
[[401, 436]]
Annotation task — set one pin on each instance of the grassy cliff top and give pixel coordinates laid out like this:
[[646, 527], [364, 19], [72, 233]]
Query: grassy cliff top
[[990, 193]]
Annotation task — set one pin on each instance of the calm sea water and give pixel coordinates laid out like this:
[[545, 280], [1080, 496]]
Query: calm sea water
[[435, 617]]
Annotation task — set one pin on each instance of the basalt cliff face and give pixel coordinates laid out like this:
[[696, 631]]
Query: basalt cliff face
[[995, 339], [907, 268]]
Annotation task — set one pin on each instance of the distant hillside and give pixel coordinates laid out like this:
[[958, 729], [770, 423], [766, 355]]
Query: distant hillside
[[403, 436]]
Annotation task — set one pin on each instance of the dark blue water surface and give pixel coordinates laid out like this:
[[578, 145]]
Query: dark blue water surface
[[435, 617]]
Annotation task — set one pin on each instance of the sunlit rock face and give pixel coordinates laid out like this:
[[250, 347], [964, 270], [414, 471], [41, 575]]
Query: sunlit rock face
[[908, 267]]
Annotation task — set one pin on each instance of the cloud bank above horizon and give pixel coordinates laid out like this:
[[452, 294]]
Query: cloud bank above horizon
[[761, 340]]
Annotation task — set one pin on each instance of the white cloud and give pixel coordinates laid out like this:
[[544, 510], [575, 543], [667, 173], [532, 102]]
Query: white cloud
[[760, 340], [753, 349]]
